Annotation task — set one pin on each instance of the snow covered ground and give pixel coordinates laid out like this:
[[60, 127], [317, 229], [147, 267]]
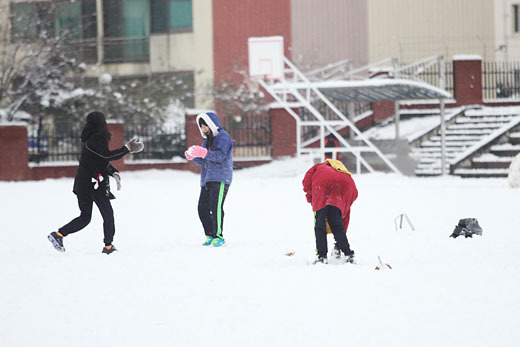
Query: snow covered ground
[[164, 289]]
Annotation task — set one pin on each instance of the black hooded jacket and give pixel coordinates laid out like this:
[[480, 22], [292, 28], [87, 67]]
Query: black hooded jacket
[[94, 163]]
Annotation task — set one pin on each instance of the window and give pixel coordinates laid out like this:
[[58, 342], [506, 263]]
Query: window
[[75, 20], [171, 16], [127, 30], [30, 20], [75, 23], [67, 20], [516, 24]]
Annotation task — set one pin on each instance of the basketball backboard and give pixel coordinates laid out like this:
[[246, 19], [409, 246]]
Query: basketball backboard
[[266, 57]]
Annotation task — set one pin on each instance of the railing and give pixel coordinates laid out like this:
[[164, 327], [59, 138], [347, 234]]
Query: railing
[[126, 49], [501, 80], [116, 50], [428, 71], [160, 142], [47, 145], [251, 135], [83, 51], [357, 108]]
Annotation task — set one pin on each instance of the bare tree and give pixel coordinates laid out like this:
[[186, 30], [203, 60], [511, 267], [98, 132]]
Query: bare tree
[[33, 63], [136, 101]]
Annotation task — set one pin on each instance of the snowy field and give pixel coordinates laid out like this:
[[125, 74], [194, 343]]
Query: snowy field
[[164, 289]]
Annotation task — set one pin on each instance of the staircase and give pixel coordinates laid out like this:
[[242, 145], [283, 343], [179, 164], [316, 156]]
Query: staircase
[[495, 162], [477, 144]]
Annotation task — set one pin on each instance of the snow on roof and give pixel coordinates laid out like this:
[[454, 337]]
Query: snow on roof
[[376, 89], [467, 57]]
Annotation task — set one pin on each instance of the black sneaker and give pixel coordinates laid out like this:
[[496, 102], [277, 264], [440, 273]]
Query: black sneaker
[[57, 241], [320, 260], [349, 257], [107, 251], [336, 252]]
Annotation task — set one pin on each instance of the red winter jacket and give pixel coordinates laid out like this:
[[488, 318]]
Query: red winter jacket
[[324, 186]]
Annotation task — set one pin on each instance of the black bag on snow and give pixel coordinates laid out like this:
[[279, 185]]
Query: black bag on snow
[[467, 227]]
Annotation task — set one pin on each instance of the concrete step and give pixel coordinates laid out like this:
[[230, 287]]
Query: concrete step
[[427, 158], [482, 173], [490, 161], [500, 120], [472, 115], [449, 144], [455, 139], [430, 171], [514, 138], [475, 126], [505, 150], [467, 132], [436, 149]]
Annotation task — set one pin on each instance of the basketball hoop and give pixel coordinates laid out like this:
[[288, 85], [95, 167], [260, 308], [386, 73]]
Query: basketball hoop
[[266, 57]]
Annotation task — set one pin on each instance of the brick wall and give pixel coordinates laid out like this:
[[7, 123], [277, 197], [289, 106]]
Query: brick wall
[[283, 133], [14, 155], [193, 137], [116, 141]]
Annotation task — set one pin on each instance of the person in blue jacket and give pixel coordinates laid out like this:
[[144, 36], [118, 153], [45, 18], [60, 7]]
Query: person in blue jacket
[[216, 158]]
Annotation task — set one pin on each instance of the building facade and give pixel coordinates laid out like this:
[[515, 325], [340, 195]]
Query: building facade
[[206, 40], [414, 29]]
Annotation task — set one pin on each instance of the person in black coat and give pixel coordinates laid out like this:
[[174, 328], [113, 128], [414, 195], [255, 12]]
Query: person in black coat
[[91, 184]]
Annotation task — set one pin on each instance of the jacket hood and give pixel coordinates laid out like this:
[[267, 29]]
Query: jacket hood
[[211, 119], [338, 166], [96, 122]]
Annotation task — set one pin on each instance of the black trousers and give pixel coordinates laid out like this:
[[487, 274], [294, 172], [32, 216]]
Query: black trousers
[[332, 214], [85, 202], [211, 208]]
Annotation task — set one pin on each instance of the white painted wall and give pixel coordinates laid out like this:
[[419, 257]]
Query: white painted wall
[[414, 29], [507, 41]]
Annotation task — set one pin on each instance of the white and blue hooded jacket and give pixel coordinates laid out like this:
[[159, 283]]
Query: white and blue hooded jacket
[[217, 166]]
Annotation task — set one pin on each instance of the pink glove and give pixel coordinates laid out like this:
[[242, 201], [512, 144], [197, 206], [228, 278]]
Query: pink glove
[[188, 156], [198, 151]]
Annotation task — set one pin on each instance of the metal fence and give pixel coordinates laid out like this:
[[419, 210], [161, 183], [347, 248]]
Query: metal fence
[[429, 72], [160, 142], [501, 80], [251, 135], [49, 145], [357, 108], [61, 144], [84, 50]]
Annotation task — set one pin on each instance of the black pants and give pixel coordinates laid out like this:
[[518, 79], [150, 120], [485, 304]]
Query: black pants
[[85, 206], [332, 214], [211, 208]]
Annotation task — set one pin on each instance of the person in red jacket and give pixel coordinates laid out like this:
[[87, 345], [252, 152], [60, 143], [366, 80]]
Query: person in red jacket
[[330, 189]]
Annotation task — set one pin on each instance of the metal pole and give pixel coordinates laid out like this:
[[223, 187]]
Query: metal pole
[[397, 117], [443, 121], [350, 107], [322, 142], [100, 32], [396, 103], [358, 162]]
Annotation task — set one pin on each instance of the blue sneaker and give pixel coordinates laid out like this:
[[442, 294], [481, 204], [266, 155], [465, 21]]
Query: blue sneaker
[[208, 241], [218, 242]]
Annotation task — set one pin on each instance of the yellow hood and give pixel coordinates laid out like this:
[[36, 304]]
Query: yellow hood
[[336, 164]]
